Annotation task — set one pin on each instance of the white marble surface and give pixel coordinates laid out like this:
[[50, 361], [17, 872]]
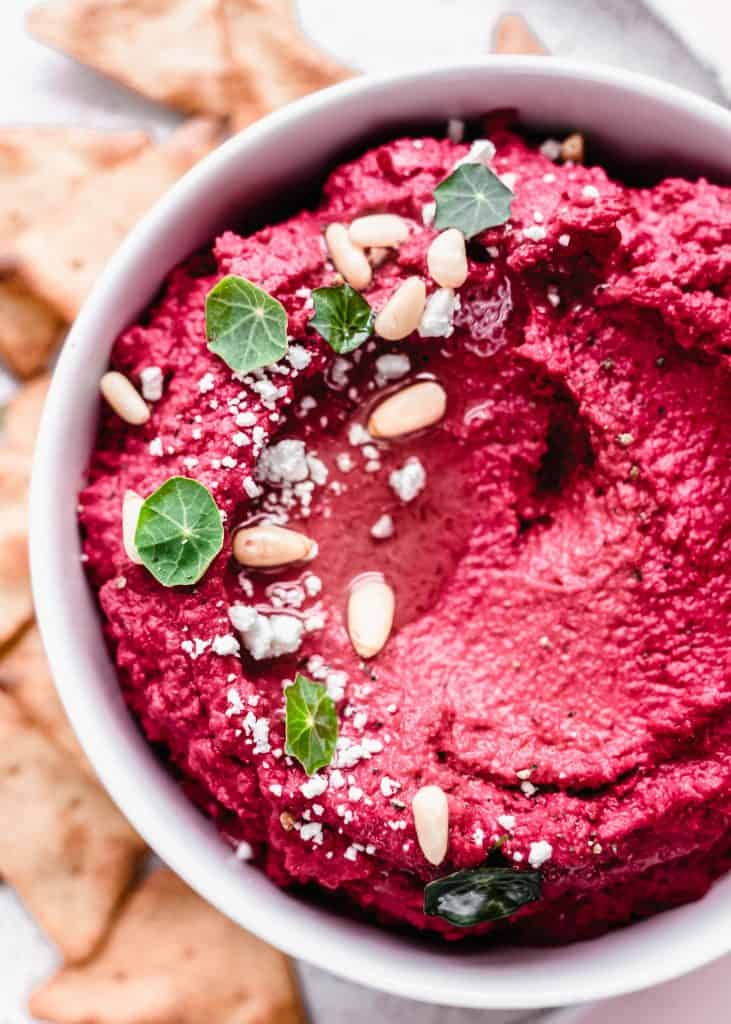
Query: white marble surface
[[40, 86]]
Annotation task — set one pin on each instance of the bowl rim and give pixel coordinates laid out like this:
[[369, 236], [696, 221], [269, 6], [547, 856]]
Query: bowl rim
[[424, 980]]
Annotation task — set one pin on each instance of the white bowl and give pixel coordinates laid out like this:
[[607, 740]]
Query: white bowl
[[634, 116]]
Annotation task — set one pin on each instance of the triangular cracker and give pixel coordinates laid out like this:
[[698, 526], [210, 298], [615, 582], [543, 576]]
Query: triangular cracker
[[26, 677], [39, 168], [64, 846], [61, 259], [173, 959]]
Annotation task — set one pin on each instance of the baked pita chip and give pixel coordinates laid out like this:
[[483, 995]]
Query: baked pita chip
[[513, 34], [61, 260], [172, 51], [40, 166], [16, 600], [173, 959], [273, 61], [30, 331], [64, 846], [26, 677], [23, 414]]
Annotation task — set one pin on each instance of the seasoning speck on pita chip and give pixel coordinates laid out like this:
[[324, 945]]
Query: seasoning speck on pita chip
[[23, 414], [273, 61], [68, 852], [172, 51], [173, 959], [26, 677], [61, 259]]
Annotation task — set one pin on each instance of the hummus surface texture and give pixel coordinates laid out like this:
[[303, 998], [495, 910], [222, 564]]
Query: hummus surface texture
[[559, 545]]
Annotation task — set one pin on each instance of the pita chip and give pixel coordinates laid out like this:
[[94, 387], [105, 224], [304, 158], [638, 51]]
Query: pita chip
[[274, 61], [23, 414], [173, 959], [61, 259], [16, 599], [26, 677], [30, 331], [69, 853], [172, 51], [39, 168], [514, 35]]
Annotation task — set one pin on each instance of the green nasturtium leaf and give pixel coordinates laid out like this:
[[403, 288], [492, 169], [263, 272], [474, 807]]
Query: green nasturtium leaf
[[179, 532], [245, 326], [342, 317], [472, 199], [311, 724], [486, 893]]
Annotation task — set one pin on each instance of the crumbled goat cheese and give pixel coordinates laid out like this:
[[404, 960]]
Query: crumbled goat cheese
[[312, 831], [481, 152], [590, 192], [225, 645], [534, 232], [564, 240], [357, 434], [266, 636], [506, 821], [408, 481], [284, 462], [315, 786], [393, 366], [299, 358], [151, 380], [383, 527], [344, 462], [437, 318], [539, 853], [389, 786], [235, 703], [206, 383], [251, 487], [428, 213], [155, 446]]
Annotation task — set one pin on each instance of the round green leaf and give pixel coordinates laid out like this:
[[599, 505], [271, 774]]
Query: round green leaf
[[179, 532], [469, 897], [311, 724], [245, 326], [472, 199], [342, 317]]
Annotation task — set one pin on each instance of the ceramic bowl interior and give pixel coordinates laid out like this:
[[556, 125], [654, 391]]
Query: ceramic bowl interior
[[271, 168]]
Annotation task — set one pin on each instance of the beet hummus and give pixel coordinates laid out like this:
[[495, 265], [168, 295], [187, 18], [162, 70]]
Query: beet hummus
[[493, 539]]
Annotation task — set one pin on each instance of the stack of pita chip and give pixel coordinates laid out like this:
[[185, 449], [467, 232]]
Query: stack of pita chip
[[136, 946]]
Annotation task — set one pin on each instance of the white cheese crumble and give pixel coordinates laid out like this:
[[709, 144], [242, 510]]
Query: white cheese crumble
[[393, 366], [235, 703], [155, 446], [506, 821], [225, 645], [314, 786], [357, 434], [481, 152], [284, 462], [266, 636], [151, 381], [251, 487], [437, 318], [389, 787], [590, 192], [298, 356], [534, 232], [408, 481], [312, 831], [344, 462], [539, 853], [383, 527], [206, 383], [564, 240], [428, 213]]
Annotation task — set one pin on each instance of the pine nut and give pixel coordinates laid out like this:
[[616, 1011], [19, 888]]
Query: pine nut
[[446, 259], [431, 821], [413, 408], [572, 148], [349, 260], [371, 605], [266, 545], [402, 313], [124, 398], [131, 505], [384, 230]]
